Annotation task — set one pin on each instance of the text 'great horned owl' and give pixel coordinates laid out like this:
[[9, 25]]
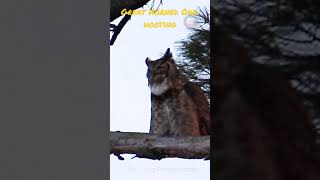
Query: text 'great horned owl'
[[178, 106]]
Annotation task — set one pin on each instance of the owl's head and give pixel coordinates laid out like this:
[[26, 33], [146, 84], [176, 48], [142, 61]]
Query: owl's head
[[160, 73]]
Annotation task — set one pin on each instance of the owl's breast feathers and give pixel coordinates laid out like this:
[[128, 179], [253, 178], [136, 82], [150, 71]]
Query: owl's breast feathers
[[195, 93]]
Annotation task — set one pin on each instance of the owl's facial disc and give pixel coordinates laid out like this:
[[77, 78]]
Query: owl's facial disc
[[158, 72], [158, 81]]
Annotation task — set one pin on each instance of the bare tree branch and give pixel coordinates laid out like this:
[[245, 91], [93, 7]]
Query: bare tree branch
[[152, 147], [117, 29]]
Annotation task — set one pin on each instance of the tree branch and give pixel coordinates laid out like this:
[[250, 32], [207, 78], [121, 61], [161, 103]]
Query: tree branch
[[152, 147], [117, 29]]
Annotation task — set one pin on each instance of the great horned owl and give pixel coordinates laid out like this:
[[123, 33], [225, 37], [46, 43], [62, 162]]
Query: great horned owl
[[178, 106]]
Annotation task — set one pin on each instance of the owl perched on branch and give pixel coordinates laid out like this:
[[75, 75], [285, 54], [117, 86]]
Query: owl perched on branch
[[178, 106]]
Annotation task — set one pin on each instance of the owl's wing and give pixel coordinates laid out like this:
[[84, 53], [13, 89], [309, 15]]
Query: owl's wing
[[202, 105]]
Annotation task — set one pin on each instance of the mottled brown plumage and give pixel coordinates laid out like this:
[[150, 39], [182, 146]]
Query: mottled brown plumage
[[178, 106]]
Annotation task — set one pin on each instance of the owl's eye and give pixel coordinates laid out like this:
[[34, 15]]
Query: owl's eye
[[163, 67]]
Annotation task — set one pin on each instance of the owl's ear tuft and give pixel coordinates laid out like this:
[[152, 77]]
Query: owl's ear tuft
[[147, 61], [167, 55]]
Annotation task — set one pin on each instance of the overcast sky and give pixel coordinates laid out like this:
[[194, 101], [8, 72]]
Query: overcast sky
[[130, 95]]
